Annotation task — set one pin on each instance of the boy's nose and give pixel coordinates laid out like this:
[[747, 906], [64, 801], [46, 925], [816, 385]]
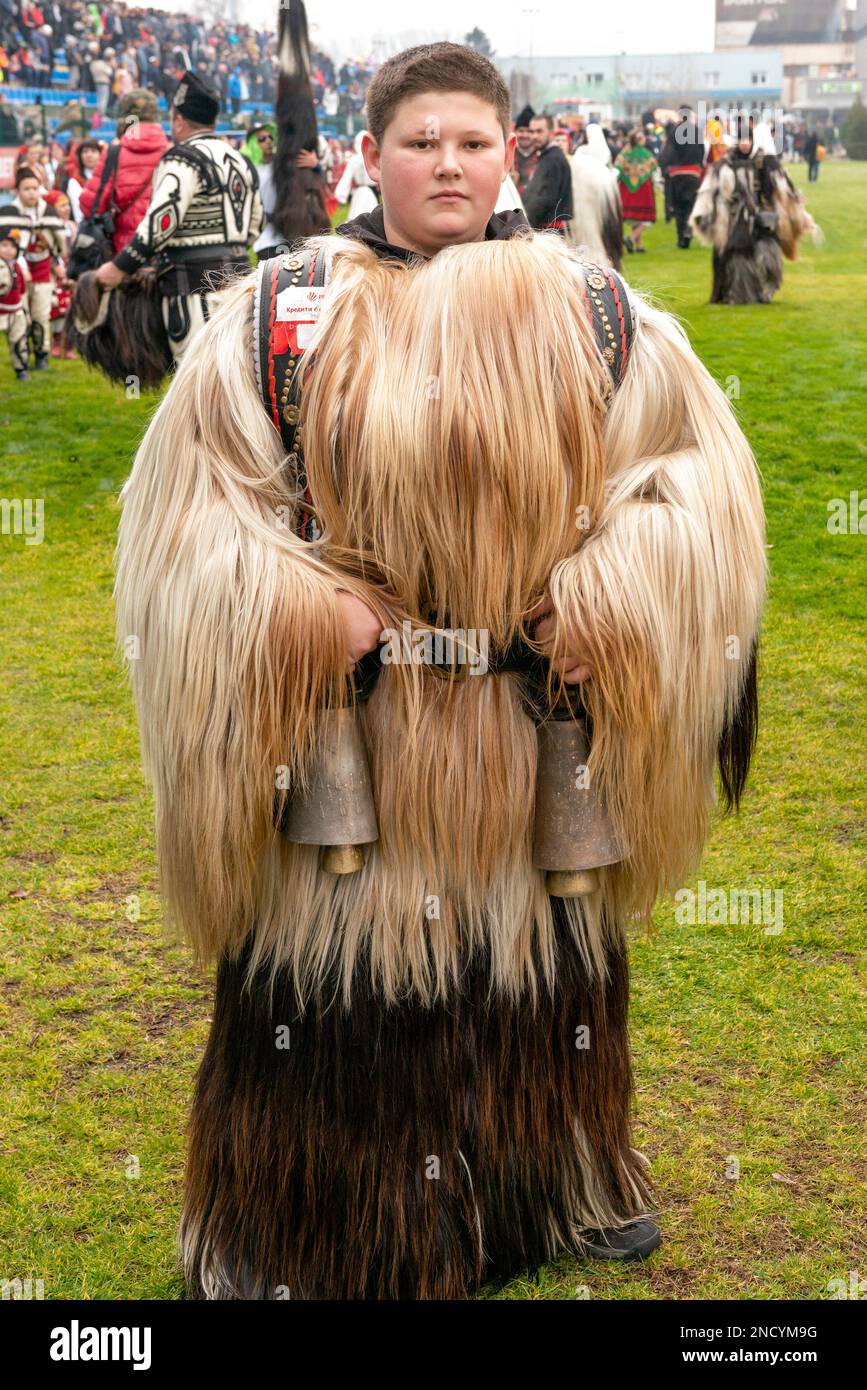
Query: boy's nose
[[449, 161]]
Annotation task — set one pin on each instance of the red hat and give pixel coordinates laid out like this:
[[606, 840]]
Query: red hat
[[54, 196]]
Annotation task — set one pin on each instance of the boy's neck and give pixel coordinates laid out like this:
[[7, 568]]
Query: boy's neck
[[397, 238]]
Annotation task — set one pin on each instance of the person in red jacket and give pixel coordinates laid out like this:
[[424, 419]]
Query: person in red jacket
[[142, 145]]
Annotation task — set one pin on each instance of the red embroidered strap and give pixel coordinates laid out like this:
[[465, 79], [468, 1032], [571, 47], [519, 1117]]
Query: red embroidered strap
[[610, 316], [613, 282], [278, 356], [273, 273]]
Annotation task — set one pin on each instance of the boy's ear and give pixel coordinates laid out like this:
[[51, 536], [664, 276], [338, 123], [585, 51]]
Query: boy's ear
[[511, 146], [372, 157]]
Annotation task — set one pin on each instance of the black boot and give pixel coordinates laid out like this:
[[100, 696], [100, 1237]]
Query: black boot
[[633, 1242], [41, 363]]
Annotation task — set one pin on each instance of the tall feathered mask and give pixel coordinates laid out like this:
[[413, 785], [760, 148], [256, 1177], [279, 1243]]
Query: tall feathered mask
[[300, 209]]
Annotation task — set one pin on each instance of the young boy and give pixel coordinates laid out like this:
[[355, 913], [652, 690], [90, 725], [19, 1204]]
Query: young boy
[[418, 1073], [43, 248], [14, 277]]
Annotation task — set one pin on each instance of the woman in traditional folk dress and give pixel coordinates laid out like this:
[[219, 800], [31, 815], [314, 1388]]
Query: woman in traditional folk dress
[[636, 167]]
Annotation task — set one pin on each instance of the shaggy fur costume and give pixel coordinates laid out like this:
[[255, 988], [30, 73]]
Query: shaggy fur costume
[[737, 194], [395, 1102], [596, 225]]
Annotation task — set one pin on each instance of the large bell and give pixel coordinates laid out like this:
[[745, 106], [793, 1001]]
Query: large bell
[[337, 809], [573, 836]]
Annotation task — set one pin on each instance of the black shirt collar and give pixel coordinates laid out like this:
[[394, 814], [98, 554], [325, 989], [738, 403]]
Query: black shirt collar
[[370, 228]]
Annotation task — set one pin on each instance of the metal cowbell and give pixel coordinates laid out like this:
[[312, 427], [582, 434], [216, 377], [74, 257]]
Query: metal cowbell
[[573, 835], [337, 810]]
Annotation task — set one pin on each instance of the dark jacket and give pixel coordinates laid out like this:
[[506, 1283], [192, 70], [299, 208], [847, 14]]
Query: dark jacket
[[370, 228], [683, 149], [524, 169], [548, 195]]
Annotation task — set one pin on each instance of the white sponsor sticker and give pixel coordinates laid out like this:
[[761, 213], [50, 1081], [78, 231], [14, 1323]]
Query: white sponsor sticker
[[300, 304]]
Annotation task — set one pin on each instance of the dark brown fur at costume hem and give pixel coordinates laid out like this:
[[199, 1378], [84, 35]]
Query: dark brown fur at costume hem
[[132, 342], [747, 278], [738, 739], [406, 1152]]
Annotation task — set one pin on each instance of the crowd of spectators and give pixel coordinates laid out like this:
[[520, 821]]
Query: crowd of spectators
[[794, 140], [110, 49]]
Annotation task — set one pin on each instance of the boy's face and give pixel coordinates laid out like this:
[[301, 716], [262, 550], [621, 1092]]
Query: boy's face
[[440, 166], [8, 250], [28, 193]]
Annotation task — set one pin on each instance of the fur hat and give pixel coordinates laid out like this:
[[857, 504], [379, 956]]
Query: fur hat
[[196, 99], [138, 103]]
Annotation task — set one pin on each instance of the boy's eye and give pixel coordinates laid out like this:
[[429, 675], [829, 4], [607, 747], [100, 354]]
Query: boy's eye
[[471, 144]]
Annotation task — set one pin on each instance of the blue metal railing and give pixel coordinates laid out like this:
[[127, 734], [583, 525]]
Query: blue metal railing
[[46, 96], [50, 97], [53, 96]]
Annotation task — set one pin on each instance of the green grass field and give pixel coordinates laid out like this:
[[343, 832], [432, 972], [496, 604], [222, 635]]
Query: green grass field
[[749, 1047]]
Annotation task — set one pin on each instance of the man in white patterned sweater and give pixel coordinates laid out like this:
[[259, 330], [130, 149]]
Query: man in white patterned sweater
[[204, 212]]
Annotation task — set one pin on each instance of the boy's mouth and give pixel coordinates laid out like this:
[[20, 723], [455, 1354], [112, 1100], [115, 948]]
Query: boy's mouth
[[449, 193]]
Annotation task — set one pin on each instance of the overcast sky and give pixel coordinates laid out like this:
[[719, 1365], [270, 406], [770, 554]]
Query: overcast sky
[[347, 27]]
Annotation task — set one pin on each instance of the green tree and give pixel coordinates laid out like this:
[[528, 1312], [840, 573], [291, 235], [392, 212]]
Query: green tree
[[479, 40], [853, 132]]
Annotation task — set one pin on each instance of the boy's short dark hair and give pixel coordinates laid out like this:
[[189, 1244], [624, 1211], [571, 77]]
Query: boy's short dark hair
[[434, 67], [24, 173]]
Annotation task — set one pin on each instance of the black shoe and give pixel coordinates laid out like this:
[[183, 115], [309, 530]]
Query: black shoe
[[41, 363], [627, 242], [633, 1242], [22, 374], [640, 250]]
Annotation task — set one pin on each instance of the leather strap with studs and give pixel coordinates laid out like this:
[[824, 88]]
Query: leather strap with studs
[[610, 317], [277, 355]]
